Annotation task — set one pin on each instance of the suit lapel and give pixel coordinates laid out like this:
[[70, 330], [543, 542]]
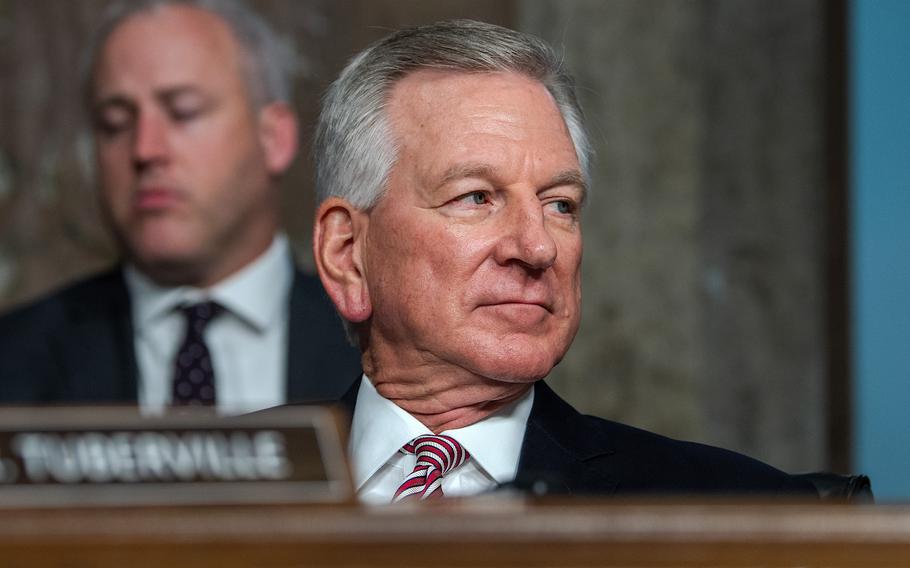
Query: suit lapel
[[298, 350], [97, 347], [304, 351], [320, 362], [561, 451]]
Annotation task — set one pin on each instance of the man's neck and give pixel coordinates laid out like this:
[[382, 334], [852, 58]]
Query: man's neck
[[256, 293], [202, 274], [443, 397]]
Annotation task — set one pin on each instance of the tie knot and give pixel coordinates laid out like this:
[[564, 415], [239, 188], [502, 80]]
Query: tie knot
[[199, 315], [443, 453]]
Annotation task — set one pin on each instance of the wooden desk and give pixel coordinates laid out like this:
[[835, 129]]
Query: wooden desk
[[494, 532]]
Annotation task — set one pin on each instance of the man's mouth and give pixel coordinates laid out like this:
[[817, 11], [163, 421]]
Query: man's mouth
[[151, 199], [522, 313], [529, 300]]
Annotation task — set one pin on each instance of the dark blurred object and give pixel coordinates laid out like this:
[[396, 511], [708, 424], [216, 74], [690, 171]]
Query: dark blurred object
[[837, 487]]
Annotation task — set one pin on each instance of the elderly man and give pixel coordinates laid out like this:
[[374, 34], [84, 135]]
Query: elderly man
[[192, 121], [452, 170]]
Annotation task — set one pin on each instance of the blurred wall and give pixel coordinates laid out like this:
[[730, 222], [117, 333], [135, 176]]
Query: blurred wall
[[704, 273], [704, 269]]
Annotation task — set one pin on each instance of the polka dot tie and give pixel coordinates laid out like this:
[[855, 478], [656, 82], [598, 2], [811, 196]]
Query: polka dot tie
[[436, 456], [194, 378]]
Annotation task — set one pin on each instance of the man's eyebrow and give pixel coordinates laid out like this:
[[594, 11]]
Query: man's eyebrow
[[570, 177], [167, 94], [115, 100], [187, 93], [176, 91], [486, 171], [469, 170]]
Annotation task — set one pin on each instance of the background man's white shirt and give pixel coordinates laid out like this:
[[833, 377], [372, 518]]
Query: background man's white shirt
[[247, 342], [380, 428]]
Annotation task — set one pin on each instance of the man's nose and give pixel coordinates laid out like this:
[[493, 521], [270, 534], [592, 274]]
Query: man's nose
[[526, 238], [150, 140]]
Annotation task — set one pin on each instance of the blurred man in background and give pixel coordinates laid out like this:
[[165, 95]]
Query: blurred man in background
[[190, 106]]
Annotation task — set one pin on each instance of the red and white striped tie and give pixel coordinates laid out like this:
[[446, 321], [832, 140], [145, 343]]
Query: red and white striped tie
[[436, 456]]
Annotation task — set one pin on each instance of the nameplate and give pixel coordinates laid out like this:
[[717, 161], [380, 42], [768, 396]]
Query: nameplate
[[105, 456]]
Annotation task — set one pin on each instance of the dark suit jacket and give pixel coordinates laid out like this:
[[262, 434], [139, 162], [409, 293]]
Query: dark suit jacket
[[76, 346], [571, 453]]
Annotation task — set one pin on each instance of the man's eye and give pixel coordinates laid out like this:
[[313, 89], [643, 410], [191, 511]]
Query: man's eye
[[563, 206], [184, 114], [113, 120], [472, 199], [478, 198], [186, 106]]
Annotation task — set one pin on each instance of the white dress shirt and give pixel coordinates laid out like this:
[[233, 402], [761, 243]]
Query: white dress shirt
[[247, 341], [380, 428]]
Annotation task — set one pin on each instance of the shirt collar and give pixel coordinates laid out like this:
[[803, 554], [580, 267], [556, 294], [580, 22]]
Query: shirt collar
[[380, 428], [506, 426], [256, 294]]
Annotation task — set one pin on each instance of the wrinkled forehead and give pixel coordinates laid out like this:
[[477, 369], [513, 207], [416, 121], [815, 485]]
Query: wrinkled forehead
[[485, 123], [424, 96]]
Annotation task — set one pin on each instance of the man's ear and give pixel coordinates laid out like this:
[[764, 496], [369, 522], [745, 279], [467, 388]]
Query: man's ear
[[337, 248], [278, 136]]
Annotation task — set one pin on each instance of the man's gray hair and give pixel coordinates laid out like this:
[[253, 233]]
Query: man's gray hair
[[269, 59], [355, 148]]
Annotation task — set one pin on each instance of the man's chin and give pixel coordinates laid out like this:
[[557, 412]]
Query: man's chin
[[169, 267], [519, 358], [516, 369]]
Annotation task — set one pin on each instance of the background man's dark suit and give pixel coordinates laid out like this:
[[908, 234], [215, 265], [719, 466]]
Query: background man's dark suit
[[572, 453], [77, 346]]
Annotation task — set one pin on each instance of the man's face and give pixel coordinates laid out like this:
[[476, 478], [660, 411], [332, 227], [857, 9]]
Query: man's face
[[472, 255], [184, 175]]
